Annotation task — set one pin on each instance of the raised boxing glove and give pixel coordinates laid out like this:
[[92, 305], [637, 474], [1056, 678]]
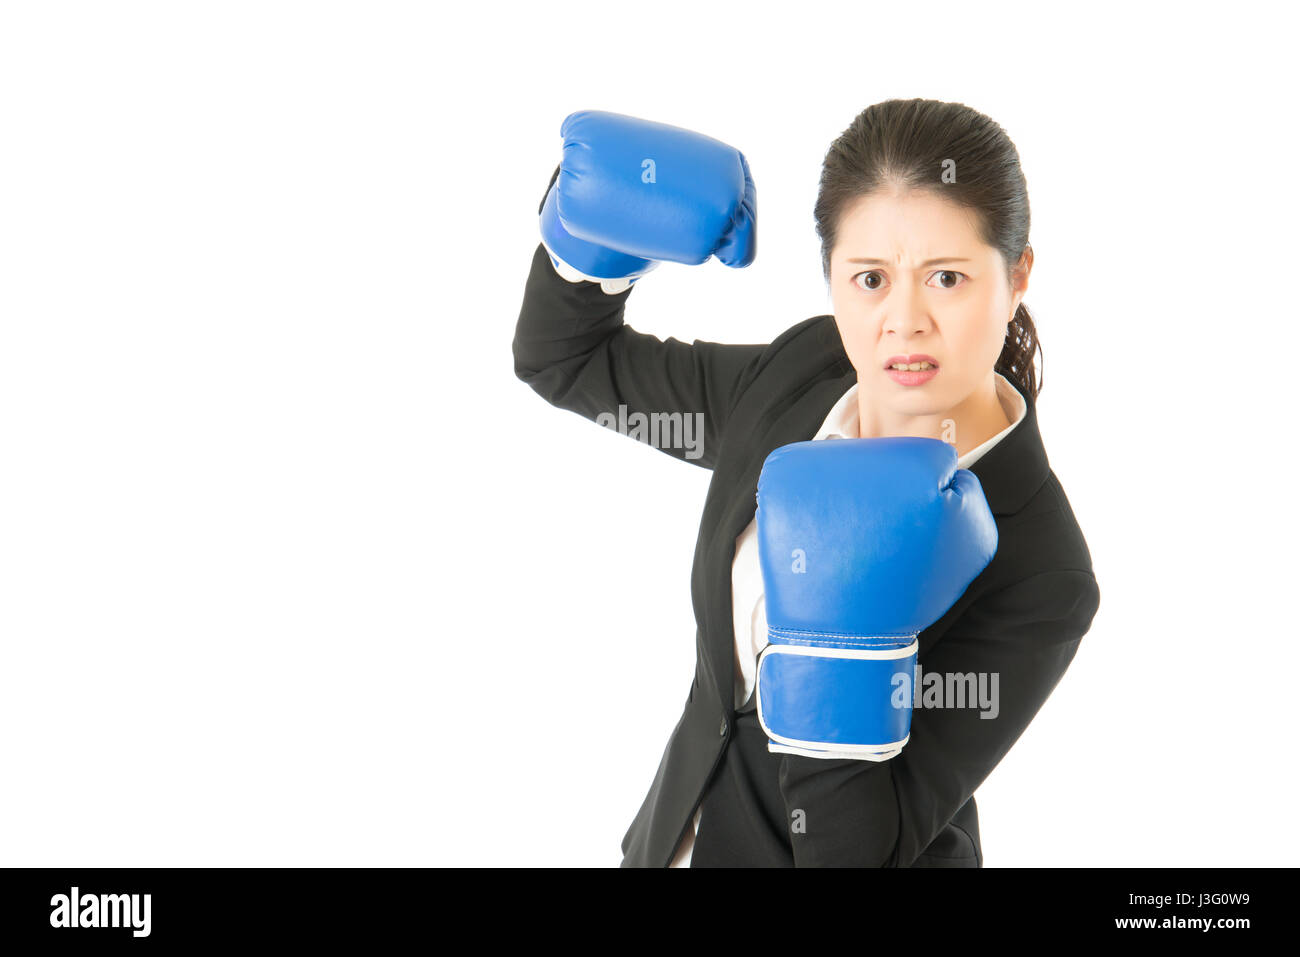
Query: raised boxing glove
[[632, 193], [863, 544]]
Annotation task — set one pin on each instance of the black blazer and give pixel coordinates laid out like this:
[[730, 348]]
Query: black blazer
[[1022, 617]]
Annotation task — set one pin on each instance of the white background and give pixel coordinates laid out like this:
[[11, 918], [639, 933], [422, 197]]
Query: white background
[[293, 569]]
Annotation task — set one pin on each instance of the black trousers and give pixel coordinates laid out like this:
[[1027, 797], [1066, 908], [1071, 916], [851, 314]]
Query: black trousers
[[744, 823]]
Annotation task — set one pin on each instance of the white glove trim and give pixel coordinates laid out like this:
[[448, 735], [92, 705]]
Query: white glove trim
[[817, 651]]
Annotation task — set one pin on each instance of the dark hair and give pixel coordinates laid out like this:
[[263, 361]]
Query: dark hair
[[908, 143]]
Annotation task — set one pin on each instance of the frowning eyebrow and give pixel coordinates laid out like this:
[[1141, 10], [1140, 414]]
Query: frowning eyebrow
[[928, 262]]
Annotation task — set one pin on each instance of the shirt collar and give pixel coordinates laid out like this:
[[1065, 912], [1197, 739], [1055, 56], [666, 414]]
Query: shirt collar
[[842, 421]]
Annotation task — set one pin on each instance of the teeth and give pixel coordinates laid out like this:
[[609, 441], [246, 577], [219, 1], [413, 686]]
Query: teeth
[[910, 367]]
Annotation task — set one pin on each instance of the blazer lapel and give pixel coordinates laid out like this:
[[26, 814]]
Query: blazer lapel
[[1014, 469], [798, 423]]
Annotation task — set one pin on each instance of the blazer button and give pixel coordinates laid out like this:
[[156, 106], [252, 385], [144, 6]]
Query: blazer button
[[722, 729]]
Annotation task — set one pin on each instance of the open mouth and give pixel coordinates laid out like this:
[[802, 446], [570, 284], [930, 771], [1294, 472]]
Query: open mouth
[[913, 369]]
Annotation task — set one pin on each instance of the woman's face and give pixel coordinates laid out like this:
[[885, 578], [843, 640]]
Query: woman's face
[[912, 281]]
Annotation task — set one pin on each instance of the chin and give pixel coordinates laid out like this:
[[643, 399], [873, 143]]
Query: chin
[[917, 404]]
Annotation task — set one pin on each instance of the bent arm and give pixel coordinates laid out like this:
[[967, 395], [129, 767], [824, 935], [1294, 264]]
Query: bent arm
[[859, 813], [573, 348]]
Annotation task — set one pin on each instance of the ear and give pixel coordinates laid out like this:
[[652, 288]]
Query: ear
[[1020, 277]]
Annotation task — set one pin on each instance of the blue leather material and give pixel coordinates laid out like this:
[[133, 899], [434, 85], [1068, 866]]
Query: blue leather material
[[591, 259], [647, 191], [835, 701], [863, 544]]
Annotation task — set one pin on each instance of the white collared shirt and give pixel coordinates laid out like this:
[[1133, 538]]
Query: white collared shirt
[[749, 611]]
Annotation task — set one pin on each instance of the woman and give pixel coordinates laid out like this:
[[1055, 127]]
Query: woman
[[924, 223]]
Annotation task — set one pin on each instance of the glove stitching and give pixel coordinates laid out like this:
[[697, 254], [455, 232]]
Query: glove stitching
[[848, 641]]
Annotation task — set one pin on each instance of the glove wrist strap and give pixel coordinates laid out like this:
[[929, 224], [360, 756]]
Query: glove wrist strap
[[838, 700]]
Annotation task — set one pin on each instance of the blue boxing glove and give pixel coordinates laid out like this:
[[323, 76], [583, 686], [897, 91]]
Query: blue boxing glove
[[632, 193], [863, 544]]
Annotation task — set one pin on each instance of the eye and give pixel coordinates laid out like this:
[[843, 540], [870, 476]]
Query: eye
[[950, 279], [874, 280]]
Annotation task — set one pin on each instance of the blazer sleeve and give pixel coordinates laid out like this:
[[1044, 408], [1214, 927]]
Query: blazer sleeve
[[885, 814], [573, 348]]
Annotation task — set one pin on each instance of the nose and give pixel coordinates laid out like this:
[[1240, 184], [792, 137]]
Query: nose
[[906, 315]]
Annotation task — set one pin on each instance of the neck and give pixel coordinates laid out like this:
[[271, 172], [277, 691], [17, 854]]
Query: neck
[[965, 426]]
